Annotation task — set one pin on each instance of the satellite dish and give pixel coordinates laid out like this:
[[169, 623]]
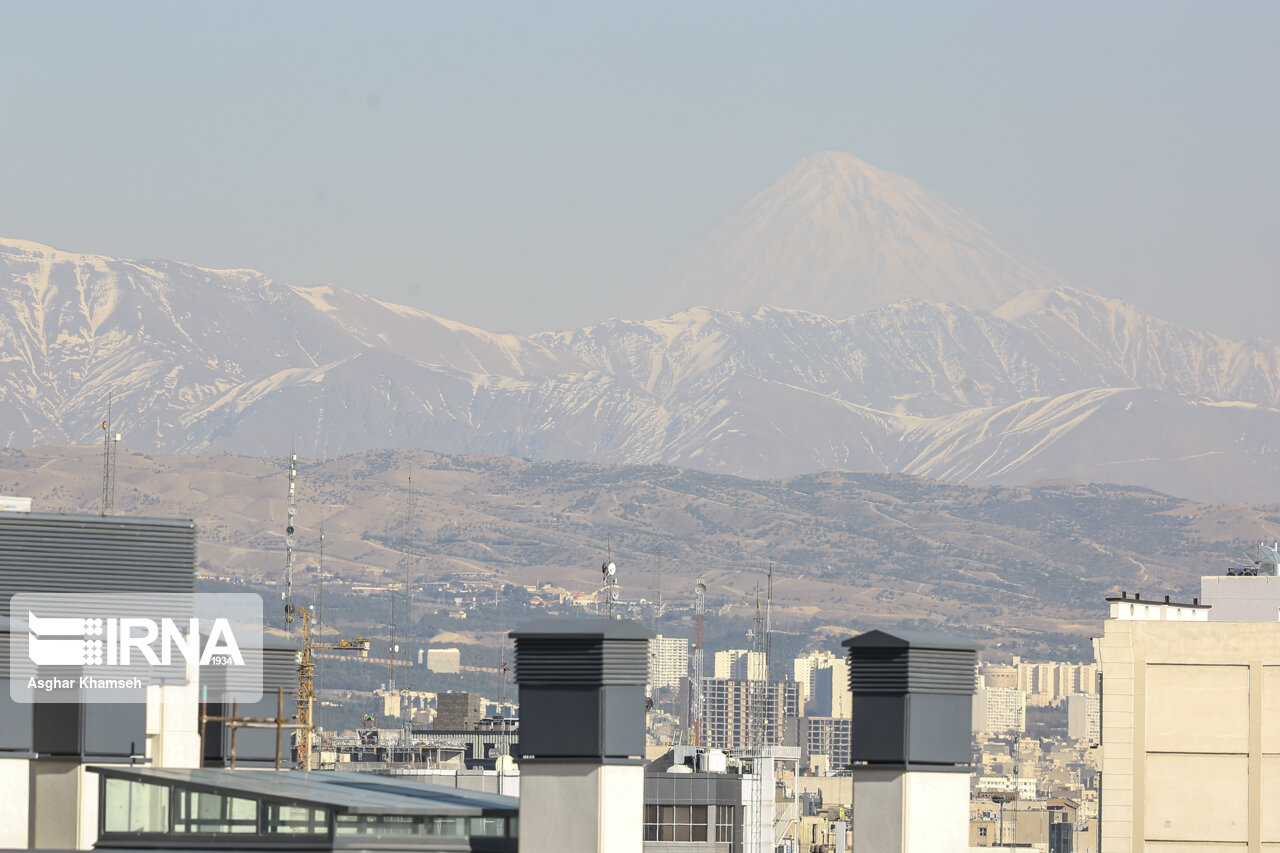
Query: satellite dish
[[288, 540], [609, 568], [613, 593], [293, 510], [700, 588]]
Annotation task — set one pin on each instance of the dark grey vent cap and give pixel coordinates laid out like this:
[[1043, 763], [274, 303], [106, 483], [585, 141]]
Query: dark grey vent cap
[[582, 690], [911, 697], [581, 653]]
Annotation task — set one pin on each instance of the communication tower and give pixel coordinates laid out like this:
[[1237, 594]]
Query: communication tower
[[758, 696], [410, 561], [289, 543], [698, 700], [609, 586], [110, 440]]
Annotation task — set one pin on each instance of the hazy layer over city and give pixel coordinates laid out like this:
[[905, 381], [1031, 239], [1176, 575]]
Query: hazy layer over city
[[518, 167]]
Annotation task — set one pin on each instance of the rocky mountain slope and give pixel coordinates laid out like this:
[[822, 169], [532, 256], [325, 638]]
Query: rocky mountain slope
[[1051, 383]]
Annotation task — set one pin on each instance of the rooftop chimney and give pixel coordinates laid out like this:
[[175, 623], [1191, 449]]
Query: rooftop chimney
[[582, 734], [911, 741]]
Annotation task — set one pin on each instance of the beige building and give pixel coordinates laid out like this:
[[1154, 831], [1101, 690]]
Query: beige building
[[739, 664], [444, 660], [998, 675], [803, 668], [1190, 730]]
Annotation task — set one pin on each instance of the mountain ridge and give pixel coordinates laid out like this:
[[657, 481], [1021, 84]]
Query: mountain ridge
[[196, 359]]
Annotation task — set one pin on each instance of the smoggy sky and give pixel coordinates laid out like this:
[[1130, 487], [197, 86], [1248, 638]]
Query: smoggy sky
[[503, 164]]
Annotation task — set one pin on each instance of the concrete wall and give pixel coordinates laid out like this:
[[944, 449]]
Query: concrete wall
[[1190, 735], [64, 807], [14, 803], [915, 812], [1241, 599], [584, 808]]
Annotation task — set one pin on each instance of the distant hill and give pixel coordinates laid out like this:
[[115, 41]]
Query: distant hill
[[1028, 566]]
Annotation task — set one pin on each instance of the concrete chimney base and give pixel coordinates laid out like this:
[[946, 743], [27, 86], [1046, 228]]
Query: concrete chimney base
[[910, 811], [581, 808]]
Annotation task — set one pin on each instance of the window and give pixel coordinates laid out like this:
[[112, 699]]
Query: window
[[279, 819], [675, 823], [201, 811], [982, 832], [494, 827], [393, 826], [130, 806], [724, 824]]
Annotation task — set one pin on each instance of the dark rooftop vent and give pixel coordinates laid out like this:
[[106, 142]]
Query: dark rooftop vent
[[582, 689], [912, 699]]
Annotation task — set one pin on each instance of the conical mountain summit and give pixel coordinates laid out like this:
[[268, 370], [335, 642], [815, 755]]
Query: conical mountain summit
[[837, 236]]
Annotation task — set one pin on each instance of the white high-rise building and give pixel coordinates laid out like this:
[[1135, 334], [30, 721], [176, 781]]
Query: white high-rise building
[[668, 661], [997, 710]]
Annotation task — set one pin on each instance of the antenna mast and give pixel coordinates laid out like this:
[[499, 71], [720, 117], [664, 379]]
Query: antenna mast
[[757, 712], [392, 647], [699, 644], [319, 617], [609, 589], [289, 542], [110, 440], [410, 561], [655, 608]]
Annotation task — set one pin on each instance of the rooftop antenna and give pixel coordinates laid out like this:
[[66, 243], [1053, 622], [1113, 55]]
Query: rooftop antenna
[[757, 713], [697, 702], [503, 667], [392, 647], [289, 541], [609, 588], [768, 622], [410, 561], [319, 611], [655, 608], [110, 440]]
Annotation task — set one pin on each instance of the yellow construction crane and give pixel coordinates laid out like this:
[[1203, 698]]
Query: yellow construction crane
[[306, 678]]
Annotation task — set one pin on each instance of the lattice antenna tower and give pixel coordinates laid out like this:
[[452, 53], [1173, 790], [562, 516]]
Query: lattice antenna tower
[[392, 647], [655, 607], [757, 713], [319, 618], [609, 585], [410, 563], [698, 700], [110, 441], [290, 541], [768, 624]]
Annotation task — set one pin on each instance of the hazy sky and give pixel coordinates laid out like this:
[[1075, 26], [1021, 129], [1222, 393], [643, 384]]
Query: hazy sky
[[500, 164]]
